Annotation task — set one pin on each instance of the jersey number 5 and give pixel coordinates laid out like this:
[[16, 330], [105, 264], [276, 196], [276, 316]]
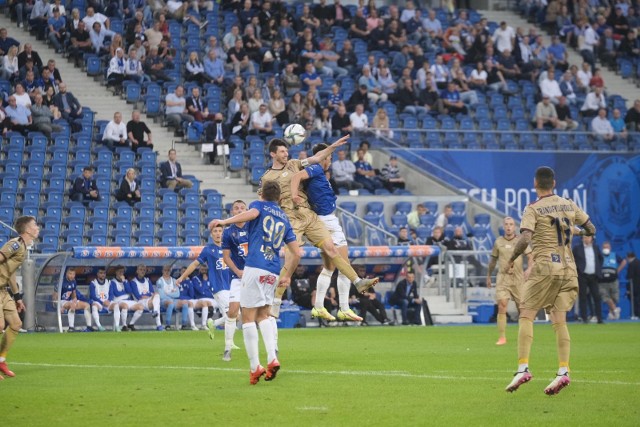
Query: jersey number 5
[[563, 229]]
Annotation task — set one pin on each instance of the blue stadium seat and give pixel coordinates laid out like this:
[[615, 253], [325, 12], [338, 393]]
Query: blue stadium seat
[[375, 208], [399, 220], [403, 208]]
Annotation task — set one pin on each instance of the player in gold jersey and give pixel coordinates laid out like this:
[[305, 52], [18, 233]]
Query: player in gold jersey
[[12, 254], [508, 282], [303, 219], [548, 224]]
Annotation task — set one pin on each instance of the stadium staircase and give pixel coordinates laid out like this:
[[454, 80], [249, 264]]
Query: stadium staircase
[[614, 83], [94, 94]]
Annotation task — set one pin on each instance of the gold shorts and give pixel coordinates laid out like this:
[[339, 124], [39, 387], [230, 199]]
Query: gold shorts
[[507, 288], [7, 305], [305, 222], [548, 291]]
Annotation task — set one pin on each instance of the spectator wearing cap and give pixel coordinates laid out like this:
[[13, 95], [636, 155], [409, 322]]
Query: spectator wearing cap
[[84, 187], [261, 122], [390, 175], [546, 114]]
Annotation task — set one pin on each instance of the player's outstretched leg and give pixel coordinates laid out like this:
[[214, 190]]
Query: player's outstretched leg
[[525, 339]]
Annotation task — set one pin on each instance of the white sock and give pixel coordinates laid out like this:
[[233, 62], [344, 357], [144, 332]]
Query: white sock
[[344, 285], [562, 371], [2, 359], [71, 317], [95, 315], [87, 318], [205, 315], [156, 305], [229, 332], [522, 367], [190, 314], [268, 335], [275, 331], [220, 320], [123, 316], [116, 316], [250, 335], [136, 316], [324, 281]]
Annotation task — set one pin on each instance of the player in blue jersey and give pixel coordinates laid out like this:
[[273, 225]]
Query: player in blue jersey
[[186, 296], [322, 200], [269, 232], [203, 295], [120, 293], [142, 290], [219, 281], [71, 300], [235, 247], [99, 295]]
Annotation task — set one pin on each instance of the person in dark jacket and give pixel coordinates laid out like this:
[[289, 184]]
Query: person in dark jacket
[[84, 187], [589, 265], [129, 190], [406, 296], [633, 276]]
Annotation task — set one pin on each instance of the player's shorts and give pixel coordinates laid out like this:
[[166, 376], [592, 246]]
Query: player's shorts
[[506, 288], [130, 303], [213, 302], [144, 302], [258, 287], [100, 306], [235, 290], [335, 229], [222, 298], [609, 291], [551, 292], [305, 222], [7, 305]]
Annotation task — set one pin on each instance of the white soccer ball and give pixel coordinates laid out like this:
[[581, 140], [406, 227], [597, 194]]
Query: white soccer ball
[[295, 134]]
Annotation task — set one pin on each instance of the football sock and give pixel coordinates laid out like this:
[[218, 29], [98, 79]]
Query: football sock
[[563, 342], [191, 317], [6, 342], [123, 316], [345, 268], [323, 283], [87, 317], [268, 338], [250, 335], [185, 314], [156, 304], [3, 359], [502, 324], [71, 317], [525, 339], [96, 315], [220, 320], [344, 285], [116, 316], [136, 316], [168, 317], [205, 314], [275, 331], [229, 332]]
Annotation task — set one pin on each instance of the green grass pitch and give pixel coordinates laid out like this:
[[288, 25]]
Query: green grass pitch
[[392, 376]]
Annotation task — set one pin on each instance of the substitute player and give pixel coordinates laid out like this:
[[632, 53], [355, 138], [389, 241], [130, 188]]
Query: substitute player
[[142, 290], [508, 282], [548, 224], [235, 247], [120, 292], [322, 200], [99, 289], [12, 254], [269, 231], [304, 220], [202, 294], [71, 299], [219, 280]]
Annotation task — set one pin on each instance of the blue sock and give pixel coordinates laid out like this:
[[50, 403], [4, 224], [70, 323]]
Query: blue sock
[[169, 314], [185, 314]]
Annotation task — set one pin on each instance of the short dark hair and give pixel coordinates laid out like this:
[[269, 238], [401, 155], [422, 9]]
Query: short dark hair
[[631, 254], [21, 223], [87, 168], [275, 143], [170, 150], [319, 147], [365, 142], [271, 191], [119, 267], [238, 201], [102, 269], [545, 176]]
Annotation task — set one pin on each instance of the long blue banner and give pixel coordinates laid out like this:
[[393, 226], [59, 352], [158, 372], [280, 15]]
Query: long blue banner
[[606, 186]]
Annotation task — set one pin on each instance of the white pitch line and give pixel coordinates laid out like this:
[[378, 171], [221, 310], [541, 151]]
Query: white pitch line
[[312, 408], [392, 374]]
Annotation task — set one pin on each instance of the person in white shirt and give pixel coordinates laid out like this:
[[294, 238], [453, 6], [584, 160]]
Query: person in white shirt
[[478, 77], [408, 12], [358, 119], [261, 121], [92, 17], [115, 134], [504, 37], [584, 75], [440, 72], [549, 87], [601, 126], [593, 102], [343, 171], [589, 42]]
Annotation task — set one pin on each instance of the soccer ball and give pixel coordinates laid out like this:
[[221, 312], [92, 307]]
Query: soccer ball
[[295, 134]]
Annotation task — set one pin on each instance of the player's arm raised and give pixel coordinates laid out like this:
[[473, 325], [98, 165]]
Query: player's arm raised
[[296, 179], [323, 154], [291, 259], [241, 217]]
